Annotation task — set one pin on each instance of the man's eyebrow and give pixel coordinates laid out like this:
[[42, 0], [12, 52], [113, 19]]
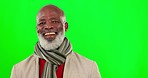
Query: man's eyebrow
[[41, 19]]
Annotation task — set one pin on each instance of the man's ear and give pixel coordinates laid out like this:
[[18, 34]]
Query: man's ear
[[66, 26]]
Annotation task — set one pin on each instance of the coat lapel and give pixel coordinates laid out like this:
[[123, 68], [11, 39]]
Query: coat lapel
[[36, 73], [66, 67]]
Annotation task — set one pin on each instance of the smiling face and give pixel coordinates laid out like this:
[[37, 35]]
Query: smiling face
[[51, 26]]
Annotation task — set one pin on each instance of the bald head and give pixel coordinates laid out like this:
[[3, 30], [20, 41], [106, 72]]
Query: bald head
[[53, 10]]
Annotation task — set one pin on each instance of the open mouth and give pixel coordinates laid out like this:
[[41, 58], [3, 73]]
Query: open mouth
[[50, 35]]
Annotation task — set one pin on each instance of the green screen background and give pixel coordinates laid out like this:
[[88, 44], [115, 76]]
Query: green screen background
[[111, 32]]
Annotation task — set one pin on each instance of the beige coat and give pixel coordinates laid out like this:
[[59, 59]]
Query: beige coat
[[76, 66]]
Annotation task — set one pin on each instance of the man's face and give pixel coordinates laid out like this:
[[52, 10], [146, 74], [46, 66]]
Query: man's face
[[51, 27], [50, 23]]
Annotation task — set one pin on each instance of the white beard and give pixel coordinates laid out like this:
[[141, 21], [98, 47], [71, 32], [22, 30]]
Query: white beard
[[51, 45]]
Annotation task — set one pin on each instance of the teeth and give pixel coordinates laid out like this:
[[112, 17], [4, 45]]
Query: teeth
[[50, 33]]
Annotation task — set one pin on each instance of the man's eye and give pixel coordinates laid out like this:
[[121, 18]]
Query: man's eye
[[41, 23], [55, 22]]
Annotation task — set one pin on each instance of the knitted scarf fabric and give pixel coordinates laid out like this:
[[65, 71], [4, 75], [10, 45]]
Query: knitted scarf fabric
[[53, 58]]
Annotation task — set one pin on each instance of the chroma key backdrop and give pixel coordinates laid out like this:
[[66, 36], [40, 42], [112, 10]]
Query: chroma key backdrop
[[114, 33]]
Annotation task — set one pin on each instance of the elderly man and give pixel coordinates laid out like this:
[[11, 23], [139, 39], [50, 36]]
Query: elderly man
[[53, 56]]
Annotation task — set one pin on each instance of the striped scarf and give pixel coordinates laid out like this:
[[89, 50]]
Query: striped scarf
[[53, 58]]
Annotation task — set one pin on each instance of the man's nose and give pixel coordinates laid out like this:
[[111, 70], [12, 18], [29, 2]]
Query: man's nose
[[48, 26]]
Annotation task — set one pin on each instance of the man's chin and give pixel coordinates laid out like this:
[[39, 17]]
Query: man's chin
[[49, 43], [49, 39]]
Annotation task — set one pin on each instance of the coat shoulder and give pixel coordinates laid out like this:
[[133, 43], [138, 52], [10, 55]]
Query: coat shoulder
[[81, 58], [25, 64], [26, 61]]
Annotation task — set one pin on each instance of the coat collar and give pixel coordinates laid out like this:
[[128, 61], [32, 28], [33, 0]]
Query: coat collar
[[65, 75]]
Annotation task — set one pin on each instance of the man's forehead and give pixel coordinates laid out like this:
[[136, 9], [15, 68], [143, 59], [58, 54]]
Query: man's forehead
[[51, 15]]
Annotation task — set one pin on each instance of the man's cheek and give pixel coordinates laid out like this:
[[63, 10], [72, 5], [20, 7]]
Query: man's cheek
[[60, 28], [39, 30]]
